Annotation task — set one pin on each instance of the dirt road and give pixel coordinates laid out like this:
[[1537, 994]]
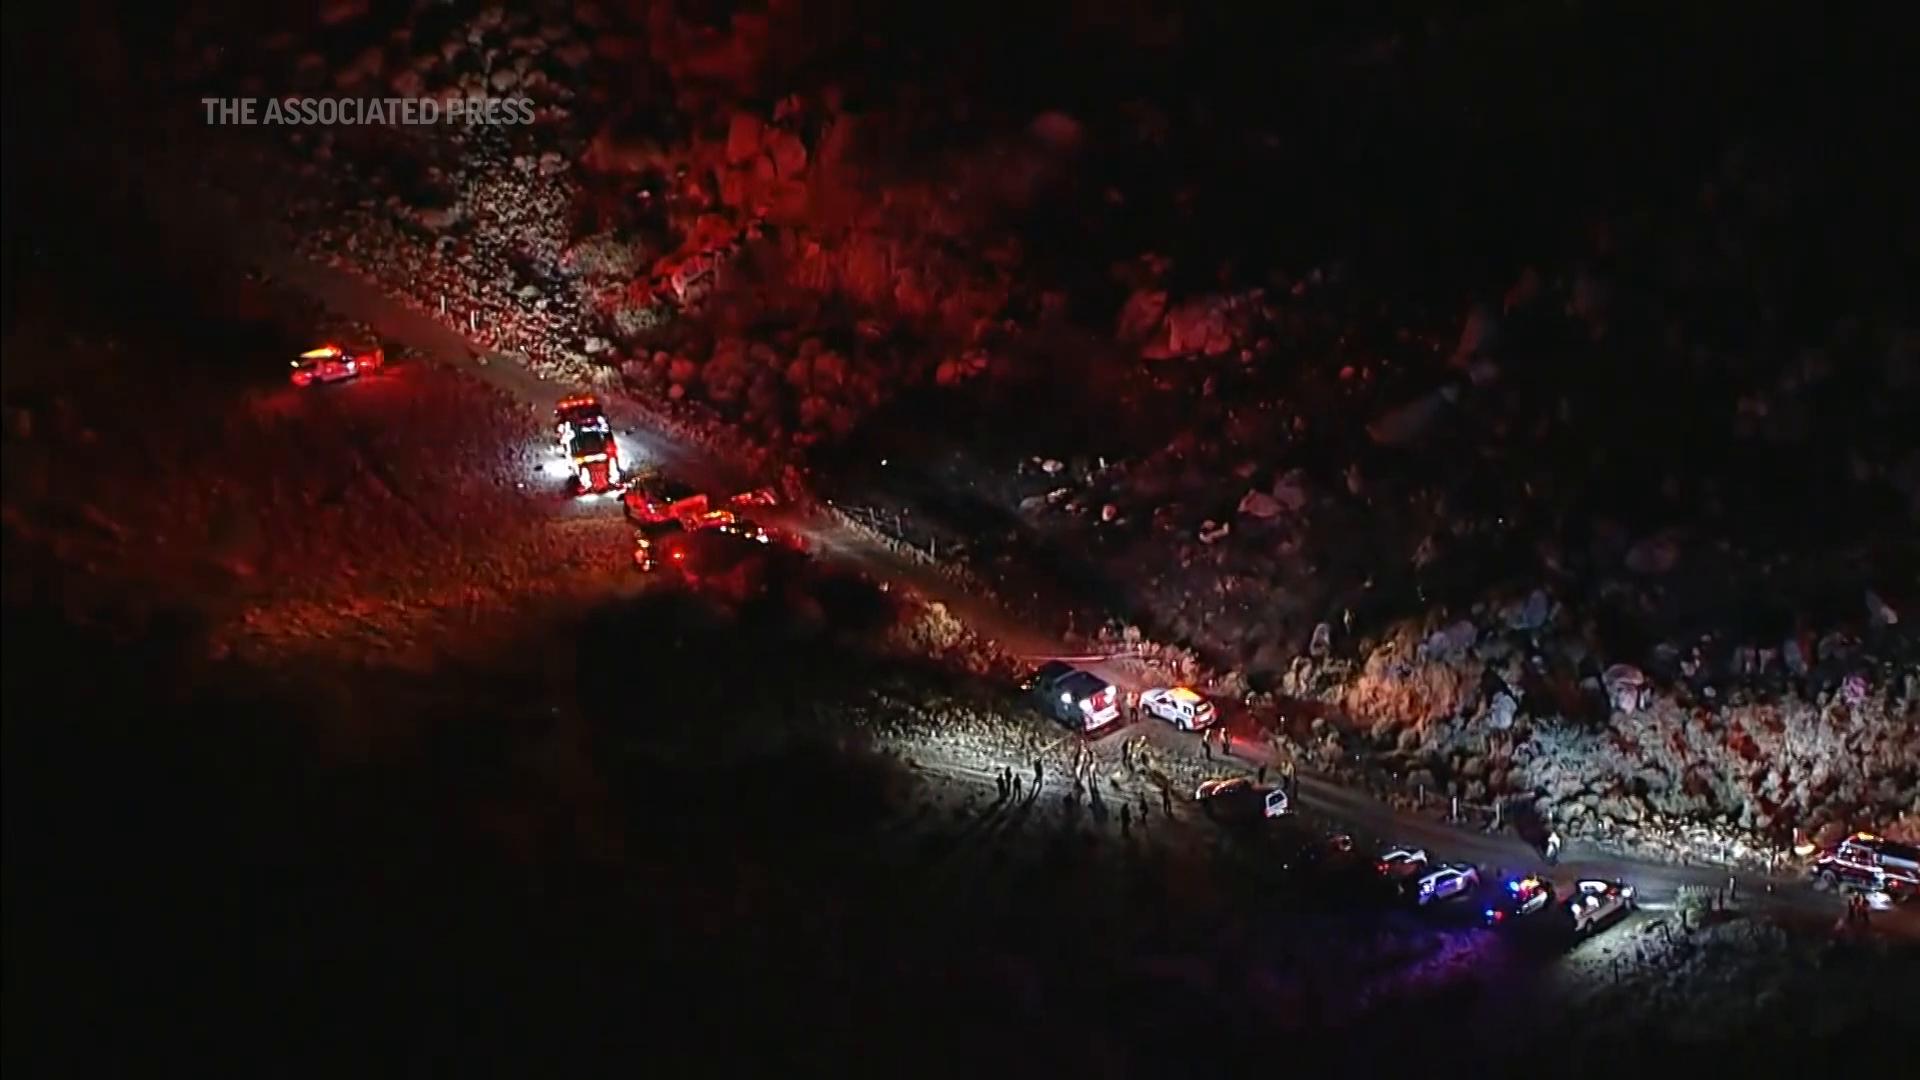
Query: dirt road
[[266, 249]]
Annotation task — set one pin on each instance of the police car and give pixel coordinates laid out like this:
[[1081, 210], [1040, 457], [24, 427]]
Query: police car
[[1593, 903], [1517, 897], [1180, 706], [1443, 882]]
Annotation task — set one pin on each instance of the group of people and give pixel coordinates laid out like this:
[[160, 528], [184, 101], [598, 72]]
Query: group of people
[[1013, 785], [1858, 910]]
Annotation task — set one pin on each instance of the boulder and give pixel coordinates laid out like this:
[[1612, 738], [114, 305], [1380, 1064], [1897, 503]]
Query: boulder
[[1477, 336], [1140, 316], [1532, 614], [1879, 612], [1502, 711], [339, 12], [1626, 687], [1407, 423], [1290, 491], [1450, 642], [1794, 656], [1654, 555], [408, 83], [1259, 504], [438, 219], [1197, 327], [744, 133], [789, 155], [1056, 130]]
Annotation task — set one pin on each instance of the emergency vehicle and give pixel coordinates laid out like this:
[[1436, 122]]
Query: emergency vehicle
[[675, 541], [335, 363], [1444, 882], [1594, 902], [1517, 897], [1180, 706], [1079, 699], [658, 499], [596, 461], [747, 529], [659, 543], [576, 414], [756, 497], [1866, 861]]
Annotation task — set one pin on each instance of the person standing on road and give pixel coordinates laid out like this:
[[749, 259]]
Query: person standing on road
[[1143, 808], [1126, 820], [1166, 801], [1261, 777], [1206, 744], [1039, 773], [1226, 742], [1000, 786], [1018, 784]]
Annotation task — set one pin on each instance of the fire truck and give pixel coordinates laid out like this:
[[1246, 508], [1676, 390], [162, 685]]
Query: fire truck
[[1868, 862], [576, 414], [596, 461]]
